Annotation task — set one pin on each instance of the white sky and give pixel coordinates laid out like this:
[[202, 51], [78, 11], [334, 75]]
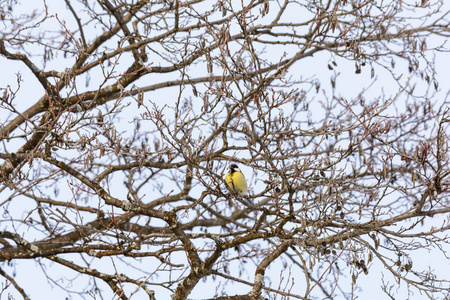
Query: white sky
[[349, 85]]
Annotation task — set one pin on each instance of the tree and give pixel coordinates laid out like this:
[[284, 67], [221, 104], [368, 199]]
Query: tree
[[113, 173]]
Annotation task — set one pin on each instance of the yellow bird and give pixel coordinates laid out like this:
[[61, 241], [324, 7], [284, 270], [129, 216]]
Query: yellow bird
[[236, 180]]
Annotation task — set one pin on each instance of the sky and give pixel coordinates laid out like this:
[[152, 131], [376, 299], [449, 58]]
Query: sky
[[349, 85]]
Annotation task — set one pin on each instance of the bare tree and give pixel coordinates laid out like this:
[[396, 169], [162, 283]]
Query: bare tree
[[143, 105]]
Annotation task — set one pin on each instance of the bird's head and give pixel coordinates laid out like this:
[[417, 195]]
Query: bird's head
[[234, 168]]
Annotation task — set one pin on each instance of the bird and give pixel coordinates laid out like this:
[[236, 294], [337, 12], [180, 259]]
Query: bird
[[236, 180]]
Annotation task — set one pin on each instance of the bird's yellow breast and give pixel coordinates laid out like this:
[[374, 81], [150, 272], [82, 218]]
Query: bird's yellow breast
[[236, 181]]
